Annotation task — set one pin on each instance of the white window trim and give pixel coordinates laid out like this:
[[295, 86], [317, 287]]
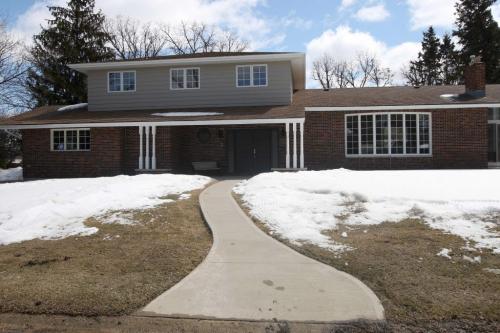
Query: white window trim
[[121, 82], [251, 76], [65, 130], [184, 78], [390, 154]]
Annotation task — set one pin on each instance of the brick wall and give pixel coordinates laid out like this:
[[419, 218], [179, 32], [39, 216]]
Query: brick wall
[[459, 141], [104, 158]]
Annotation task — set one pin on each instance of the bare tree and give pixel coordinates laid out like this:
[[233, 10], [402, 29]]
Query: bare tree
[[365, 70], [189, 38], [13, 69], [131, 40]]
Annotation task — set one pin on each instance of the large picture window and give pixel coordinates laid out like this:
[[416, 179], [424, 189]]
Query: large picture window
[[387, 134], [251, 76], [70, 140], [184, 78], [121, 81]]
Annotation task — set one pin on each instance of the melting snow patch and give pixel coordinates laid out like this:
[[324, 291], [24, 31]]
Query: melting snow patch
[[475, 260], [57, 208], [344, 234], [11, 175], [187, 114], [492, 270], [119, 218], [444, 253], [301, 206], [73, 107]]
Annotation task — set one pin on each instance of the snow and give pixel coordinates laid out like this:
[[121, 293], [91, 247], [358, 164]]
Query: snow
[[444, 253], [11, 175], [57, 208], [187, 114], [73, 107], [473, 260], [301, 206]]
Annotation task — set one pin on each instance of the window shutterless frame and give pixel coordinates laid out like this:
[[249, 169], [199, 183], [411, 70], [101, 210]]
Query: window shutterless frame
[[121, 82], [390, 154], [184, 77], [251, 76], [65, 130]]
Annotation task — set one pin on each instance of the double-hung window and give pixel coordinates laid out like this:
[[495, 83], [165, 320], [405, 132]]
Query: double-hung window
[[70, 140], [184, 78], [387, 134], [121, 81], [251, 76]]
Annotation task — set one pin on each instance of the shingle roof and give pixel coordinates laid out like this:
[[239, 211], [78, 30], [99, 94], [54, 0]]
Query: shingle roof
[[199, 55], [359, 97]]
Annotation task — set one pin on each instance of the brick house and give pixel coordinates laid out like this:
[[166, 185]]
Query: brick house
[[245, 113]]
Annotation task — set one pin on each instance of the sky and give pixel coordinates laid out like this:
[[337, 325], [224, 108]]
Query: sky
[[390, 29]]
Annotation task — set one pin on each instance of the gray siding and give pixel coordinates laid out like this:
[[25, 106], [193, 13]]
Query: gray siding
[[217, 88]]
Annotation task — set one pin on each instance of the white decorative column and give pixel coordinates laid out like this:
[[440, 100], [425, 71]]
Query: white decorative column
[[147, 148], [302, 145], [141, 157], [294, 133], [287, 130], [153, 158]]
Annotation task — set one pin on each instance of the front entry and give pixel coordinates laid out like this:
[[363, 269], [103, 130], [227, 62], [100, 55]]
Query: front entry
[[252, 151]]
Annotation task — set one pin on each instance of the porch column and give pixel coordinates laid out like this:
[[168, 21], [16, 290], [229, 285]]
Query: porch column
[[141, 157], [294, 133], [153, 158], [287, 130], [147, 148], [302, 145]]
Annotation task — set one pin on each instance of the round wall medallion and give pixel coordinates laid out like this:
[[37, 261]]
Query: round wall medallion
[[203, 135]]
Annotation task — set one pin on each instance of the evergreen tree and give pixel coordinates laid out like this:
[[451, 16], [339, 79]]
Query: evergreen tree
[[478, 34], [450, 72], [426, 70], [74, 34]]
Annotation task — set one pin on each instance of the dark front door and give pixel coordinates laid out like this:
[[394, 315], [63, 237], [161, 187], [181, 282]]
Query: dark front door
[[252, 151]]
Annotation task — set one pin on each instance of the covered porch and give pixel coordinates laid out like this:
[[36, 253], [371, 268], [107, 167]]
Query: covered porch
[[228, 147]]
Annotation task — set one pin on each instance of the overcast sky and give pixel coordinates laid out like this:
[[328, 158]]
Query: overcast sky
[[391, 28]]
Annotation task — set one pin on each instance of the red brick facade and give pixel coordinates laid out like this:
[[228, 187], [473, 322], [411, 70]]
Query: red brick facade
[[459, 140]]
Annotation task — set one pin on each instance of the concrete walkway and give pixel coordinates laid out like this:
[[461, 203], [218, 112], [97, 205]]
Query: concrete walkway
[[248, 275]]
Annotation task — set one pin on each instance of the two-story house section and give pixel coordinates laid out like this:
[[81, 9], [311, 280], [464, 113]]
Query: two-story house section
[[250, 112]]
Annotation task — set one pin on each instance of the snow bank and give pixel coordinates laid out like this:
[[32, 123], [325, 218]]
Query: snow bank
[[11, 175], [187, 114], [73, 107], [56, 208], [301, 205]]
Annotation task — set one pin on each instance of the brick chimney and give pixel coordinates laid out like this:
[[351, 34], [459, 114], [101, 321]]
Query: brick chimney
[[475, 77]]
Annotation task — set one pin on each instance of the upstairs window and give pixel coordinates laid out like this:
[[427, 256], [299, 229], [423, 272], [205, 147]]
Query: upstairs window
[[184, 78], [70, 140], [386, 134], [251, 76], [121, 81]]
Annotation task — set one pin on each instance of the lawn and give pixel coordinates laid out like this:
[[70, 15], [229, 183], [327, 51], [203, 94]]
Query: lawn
[[105, 260], [432, 258]]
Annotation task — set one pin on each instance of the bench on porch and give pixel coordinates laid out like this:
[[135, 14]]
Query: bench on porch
[[205, 166]]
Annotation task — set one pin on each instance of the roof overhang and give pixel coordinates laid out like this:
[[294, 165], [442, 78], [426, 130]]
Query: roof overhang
[[400, 107], [159, 123], [298, 61]]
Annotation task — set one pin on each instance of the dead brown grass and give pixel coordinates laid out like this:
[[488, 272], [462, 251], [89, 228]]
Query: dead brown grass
[[115, 271], [398, 262]]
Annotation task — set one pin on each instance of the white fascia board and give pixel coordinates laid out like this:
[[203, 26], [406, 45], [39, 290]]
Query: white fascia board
[[161, 123], [84, 67], [400, 107]]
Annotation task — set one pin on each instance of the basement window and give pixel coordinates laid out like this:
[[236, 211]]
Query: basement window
[[388, 134], [70, 140]]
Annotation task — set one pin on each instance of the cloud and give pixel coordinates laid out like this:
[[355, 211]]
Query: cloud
[[375, 13], [424, 13], [344, 44], [346, 4], [241, 16]]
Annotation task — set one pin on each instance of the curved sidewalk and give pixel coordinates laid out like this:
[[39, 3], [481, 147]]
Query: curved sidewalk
[[248, 275]]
